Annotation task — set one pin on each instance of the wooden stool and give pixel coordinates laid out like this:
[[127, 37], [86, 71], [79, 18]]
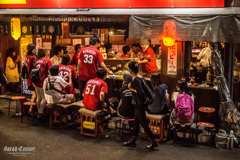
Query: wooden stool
[[91, 122], [159, 124], [186, 128], [17, 98], [28, 104], [210, 128], [122, 126], [57, 113], [75, 115]]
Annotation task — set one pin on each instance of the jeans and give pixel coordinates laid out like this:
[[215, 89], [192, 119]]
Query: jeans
[[140, 119], [40, 99]]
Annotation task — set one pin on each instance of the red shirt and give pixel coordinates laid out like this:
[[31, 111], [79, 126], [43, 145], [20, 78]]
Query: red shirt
[[92, 92], [44, 69], [64, 71], [90, 57], [30, 59], [141, 55], [124, 56], [75, 59], [151, 65]]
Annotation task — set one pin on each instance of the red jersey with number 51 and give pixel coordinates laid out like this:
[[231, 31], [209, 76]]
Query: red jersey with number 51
[[92, 92], [90, 57], [64, 71]]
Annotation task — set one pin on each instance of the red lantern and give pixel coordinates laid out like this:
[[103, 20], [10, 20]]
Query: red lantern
[[169, 33]]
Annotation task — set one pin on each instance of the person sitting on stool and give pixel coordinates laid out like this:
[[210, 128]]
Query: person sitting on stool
[[95, 92]]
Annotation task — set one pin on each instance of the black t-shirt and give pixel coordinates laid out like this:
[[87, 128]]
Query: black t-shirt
[[127, 108]]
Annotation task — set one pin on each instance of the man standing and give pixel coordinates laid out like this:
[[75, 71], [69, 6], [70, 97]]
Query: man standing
[[76, 56], [148, 59], [90, 57]]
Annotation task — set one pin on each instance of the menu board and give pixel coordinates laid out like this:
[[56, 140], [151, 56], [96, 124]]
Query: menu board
[[172, 60]]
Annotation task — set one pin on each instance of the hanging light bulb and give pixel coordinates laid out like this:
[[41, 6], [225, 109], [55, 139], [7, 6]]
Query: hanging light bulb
[[169, 33], [15, 28]]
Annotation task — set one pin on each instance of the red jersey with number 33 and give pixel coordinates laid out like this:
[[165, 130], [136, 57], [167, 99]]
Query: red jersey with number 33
[[64, 71], [90, 57], [92, 92]]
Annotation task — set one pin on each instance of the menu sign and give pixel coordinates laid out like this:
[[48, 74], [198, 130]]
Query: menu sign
[[172, 60]]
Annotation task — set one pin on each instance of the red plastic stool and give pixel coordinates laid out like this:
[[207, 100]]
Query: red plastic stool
[[210, 128], [17, 99]]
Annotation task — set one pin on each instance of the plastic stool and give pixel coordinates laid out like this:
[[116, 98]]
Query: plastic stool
[[122, 126], [183, 126], [210, 128]]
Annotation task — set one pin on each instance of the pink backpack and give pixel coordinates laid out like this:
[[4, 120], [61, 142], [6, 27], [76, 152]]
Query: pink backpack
[[184, 107]]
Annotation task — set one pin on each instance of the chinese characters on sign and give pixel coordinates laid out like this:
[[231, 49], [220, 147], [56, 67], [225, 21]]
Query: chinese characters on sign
[[172, 60], [38, 43]]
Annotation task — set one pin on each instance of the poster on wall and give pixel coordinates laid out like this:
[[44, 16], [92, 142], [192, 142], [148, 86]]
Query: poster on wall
[[47, 45], [172, 60], [25, 88], [38, 43], [77, 41], [23, 47]]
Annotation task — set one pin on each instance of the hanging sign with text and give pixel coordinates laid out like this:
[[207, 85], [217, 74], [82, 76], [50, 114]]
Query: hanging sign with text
[[172, 60]]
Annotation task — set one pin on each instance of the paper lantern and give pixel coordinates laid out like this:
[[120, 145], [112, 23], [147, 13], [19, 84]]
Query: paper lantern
[[169, 33], [15, 28]]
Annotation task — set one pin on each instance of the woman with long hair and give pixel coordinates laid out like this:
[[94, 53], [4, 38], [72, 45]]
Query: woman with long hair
[[160, 101], [11, 70], [138, 100]]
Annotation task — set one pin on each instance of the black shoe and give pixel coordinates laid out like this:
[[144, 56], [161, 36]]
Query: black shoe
[[131, 143], [153, 145]]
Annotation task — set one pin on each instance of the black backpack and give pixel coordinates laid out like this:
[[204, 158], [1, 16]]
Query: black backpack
[[36, 76], [148, 91]]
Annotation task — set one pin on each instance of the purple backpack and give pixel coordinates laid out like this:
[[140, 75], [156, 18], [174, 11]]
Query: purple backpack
[[184, 107]]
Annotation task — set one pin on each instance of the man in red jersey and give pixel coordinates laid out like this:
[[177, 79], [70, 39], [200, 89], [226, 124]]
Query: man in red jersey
[[64, 70], [96, 91], [76, 56], [31, 62], [90, 57], [149, 64], [44, 64]]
